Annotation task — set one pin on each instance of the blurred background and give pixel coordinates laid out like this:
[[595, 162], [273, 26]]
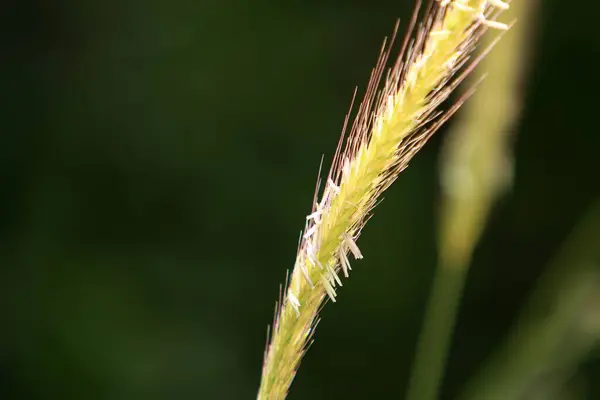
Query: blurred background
[[157, 160]]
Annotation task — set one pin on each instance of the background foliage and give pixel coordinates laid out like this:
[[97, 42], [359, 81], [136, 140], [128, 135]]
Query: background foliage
[[157, 159]]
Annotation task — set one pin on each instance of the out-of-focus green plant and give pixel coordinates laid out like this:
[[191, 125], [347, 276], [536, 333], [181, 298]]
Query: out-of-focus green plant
[[476, 170], [560, 326]]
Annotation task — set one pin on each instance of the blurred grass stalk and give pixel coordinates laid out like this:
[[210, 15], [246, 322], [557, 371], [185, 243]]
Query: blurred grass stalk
[[476, 170], [560, 326]]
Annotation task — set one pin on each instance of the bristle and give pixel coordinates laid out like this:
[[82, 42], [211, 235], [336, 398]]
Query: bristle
[[348, 241], [293, 300], [328, 288]]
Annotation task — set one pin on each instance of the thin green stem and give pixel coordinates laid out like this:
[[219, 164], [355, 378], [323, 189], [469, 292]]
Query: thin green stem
[[434, 342]]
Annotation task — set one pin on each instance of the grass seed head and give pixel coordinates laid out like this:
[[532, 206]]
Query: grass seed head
[[391, 125]]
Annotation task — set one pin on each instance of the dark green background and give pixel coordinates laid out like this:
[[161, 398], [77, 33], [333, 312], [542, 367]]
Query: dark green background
[[157, 159]]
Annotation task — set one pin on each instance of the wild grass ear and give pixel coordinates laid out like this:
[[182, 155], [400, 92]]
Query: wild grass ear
[[391, 125]]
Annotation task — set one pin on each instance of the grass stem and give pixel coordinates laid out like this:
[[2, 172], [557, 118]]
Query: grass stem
[[434, 341], [477, 169]]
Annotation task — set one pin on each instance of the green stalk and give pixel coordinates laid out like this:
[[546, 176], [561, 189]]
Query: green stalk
[[435, 338], [477, 169]]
